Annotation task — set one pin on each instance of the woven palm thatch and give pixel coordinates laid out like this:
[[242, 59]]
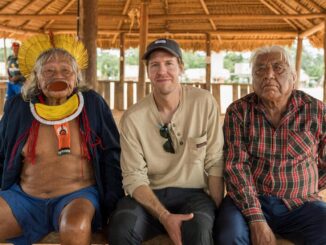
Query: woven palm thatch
[[230, 24]]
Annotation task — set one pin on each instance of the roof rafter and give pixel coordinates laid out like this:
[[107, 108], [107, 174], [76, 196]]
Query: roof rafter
[[306, 22], [71, 2], [315, 5], [169, 17], [124, 12], [17, 30], [312, 30], [38, 12], [276, 11], [204, 6]]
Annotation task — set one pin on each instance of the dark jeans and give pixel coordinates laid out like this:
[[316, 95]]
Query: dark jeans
[[131, 223], [303, 225]]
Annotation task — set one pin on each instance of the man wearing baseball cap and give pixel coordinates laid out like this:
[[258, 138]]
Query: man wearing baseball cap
[[171, 144], [16, 79]]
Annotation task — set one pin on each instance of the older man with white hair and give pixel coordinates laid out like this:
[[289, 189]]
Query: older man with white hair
[[275, 157]]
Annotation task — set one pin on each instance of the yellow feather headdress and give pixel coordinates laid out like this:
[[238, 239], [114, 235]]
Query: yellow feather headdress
[[33, 47]]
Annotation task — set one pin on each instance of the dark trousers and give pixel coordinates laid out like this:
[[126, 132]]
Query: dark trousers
[[303, 225], [131, 224]]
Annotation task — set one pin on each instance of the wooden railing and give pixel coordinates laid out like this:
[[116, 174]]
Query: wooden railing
[[224, 93]]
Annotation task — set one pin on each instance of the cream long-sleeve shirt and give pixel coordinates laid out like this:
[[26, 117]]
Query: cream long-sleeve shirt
[[197, 139]]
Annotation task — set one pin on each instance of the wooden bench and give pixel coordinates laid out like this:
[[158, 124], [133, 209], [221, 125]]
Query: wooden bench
[[99, 239]]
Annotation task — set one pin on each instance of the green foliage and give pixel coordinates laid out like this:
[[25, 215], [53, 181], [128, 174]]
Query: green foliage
[[313, 66], [132, 56], [108, 65], [194, 59], [312, 62], [230, 59]]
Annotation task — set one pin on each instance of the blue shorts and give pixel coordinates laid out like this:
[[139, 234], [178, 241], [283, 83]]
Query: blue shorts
[[38, 216]]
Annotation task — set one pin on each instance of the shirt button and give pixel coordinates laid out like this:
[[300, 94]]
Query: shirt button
[[178, 134], [181, 142], [173, 125]]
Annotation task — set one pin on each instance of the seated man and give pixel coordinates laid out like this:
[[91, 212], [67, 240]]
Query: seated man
[[172, 151], [275, 159], [59, 149]]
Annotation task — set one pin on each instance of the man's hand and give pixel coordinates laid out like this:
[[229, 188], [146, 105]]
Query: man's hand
[[261, 234], [172, 224]]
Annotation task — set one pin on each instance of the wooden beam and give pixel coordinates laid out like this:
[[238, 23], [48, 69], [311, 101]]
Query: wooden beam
[[315, 5], [88, 34], [123, 17], [312, 30], [275, 10], [204, 6], [298, 60], [166, 11], [67, 6], [202, 32], [208, 62], [236, 17], [293, 10], [44, 8], [119, 95], [143, 34], [124, 12], [41, 17], [18, 30]]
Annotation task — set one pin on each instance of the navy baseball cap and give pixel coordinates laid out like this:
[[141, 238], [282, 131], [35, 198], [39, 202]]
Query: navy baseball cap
[[168, 45]]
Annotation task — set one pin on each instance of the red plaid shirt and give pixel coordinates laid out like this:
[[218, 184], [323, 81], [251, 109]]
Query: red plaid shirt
[[288, 162]]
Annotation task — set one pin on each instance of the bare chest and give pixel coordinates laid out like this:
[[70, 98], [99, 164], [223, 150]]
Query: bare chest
[[54, 174]]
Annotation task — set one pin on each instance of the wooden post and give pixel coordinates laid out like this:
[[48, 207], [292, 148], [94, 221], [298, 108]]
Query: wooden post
[[143, 33], [216, 91], [119, 98], [298, 60], [208, 62], [324, 98], [5, 54], [235, 95], [130, 92], [88, 34]]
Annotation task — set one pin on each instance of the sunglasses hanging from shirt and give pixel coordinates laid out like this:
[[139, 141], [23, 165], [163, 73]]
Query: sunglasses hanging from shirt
[[165, 133]]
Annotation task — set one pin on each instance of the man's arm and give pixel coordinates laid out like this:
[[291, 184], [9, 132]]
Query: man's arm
[[214, 162], [238, 177], [216, 189], [322, 153]]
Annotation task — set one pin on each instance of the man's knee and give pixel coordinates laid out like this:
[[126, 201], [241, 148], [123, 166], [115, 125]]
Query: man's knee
[[122, 223], [9, 226], [239, 234], [198, 230], [75, 225], [121, 226], [230, 226], [76, 217]]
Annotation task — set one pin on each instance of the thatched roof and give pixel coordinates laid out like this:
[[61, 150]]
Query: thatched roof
[[231, 24]]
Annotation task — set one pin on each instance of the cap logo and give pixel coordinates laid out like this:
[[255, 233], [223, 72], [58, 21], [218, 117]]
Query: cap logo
[[160, 41]]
